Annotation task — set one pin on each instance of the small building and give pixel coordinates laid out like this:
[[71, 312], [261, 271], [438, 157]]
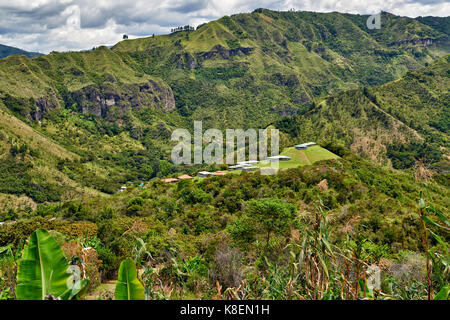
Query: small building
[[204, 174], [247, 163], [219, 173], [305, 146], [250, 168], [301, 147], [236, 167], [170, 180], [279, 158], [184, 176]]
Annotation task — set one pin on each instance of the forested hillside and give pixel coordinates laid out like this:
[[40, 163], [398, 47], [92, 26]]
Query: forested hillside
[[85, 143], [396, 123], [113, 110]]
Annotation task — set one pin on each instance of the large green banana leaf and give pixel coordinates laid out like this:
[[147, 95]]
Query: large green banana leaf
[[128, 286], [43, 269], [444, 294]]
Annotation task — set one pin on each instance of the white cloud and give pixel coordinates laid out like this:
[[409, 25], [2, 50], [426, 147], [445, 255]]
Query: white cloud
[[73, 20], [47, 25]]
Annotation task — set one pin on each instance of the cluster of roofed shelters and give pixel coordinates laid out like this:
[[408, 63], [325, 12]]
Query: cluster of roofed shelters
[[244, 166], [247, 166]]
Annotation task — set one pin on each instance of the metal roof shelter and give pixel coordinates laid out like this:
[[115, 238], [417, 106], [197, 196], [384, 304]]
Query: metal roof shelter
[[236, 167], [304, 146], [204, 174], [251, 168], [279, 158], [247, 163]]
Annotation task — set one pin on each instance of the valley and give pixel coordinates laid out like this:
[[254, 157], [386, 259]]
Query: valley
[[77, 127]]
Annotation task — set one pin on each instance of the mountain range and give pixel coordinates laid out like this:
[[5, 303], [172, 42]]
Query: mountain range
[[80, 123], [6, 51]]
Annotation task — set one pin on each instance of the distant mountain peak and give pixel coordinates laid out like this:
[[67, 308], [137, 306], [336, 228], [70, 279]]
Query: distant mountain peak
[[6, 51]]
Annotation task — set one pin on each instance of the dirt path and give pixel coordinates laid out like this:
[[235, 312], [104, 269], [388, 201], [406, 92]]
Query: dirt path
[[105, 291]]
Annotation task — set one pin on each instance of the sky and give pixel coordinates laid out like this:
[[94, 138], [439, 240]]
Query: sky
[[63, 25]]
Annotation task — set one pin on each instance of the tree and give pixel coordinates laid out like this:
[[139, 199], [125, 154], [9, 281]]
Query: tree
[[125, 37], [165, 167], [268, 216]]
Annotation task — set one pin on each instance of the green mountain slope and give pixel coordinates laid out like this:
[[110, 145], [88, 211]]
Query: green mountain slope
[[299, 158], [305, 157], [6, 51], [192, 216], [441, 24], [77, 126], [266, 64], [113, 110], [400, 121], [29, 167], [79, 103]]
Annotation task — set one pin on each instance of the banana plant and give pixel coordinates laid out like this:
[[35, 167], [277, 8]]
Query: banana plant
[[444, 294], [44, 272], [128, 286]]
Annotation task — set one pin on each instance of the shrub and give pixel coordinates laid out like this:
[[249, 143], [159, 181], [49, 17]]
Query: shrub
[[227, 266]]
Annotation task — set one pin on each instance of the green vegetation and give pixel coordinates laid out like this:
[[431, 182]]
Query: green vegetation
[[308, 156], [104, 117], [298, 158], [75, 127], [43, 271], [177, 232], [265, 216], [397, 123], [128, 286]]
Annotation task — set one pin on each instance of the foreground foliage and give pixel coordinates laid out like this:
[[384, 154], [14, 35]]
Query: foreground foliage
[[43, 271], [256, 237], [128, 286]]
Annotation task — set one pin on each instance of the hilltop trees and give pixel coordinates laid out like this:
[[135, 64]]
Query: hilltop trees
[[185, 28]]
